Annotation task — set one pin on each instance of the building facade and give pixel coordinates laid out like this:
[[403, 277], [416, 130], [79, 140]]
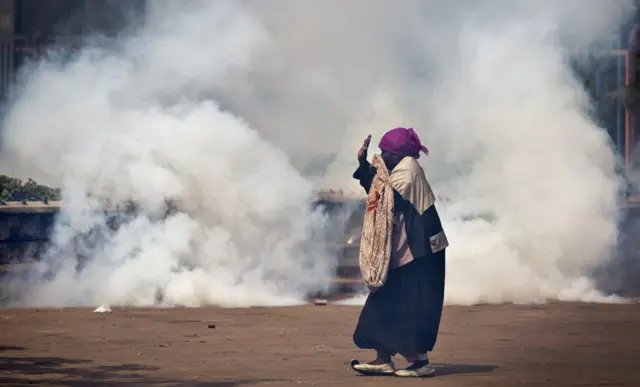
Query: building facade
[[28, 27]]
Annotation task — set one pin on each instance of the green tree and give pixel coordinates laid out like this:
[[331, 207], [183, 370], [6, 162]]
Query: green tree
[[12, 189]]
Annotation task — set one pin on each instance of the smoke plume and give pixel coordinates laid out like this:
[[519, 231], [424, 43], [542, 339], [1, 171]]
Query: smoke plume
[[236, 111]]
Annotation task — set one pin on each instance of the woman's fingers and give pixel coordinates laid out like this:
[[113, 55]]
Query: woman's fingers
[[362, 153], [367, 141]]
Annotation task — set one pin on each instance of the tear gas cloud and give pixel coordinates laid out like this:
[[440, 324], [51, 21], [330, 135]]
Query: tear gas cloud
[[236, 111]]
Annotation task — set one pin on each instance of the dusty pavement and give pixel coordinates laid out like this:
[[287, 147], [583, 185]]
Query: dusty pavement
[[547, 345]]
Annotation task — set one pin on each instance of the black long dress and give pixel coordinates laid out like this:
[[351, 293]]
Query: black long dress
[[403, 317]]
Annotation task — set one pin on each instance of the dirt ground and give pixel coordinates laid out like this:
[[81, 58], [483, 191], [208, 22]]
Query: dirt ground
[[547, 345]]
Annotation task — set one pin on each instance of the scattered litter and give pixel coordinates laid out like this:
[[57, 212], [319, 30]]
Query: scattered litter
[[320, 302], [103, 309], [211, 326]]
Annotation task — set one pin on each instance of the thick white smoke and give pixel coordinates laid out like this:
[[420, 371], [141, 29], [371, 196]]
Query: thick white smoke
[[529, 179], [128, 126]]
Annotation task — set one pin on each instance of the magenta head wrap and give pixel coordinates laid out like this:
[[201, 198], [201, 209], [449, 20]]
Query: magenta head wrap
[[402, 142]]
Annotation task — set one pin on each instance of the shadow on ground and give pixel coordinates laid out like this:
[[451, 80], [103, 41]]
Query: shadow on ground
[[54, 371], [460, 369], [11, 348], [448, 369]]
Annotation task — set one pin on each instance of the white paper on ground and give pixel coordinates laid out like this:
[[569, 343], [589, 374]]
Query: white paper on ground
[[103, 309]]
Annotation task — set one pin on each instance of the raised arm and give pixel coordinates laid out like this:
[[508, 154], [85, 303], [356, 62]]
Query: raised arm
[[365, 172]]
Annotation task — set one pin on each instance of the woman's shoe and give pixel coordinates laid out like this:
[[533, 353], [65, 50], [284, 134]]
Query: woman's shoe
[[373, 369], [417, 370]]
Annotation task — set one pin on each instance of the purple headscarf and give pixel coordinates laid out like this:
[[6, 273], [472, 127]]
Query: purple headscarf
[[403, 142]]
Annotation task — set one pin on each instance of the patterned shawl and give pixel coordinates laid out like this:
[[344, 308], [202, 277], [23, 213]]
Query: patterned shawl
[[375, 246]]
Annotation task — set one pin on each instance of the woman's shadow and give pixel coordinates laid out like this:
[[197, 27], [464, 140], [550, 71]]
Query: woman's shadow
[[445, 369], [448, 369]]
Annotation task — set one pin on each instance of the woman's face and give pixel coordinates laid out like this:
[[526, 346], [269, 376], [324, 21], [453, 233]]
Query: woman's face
[[390, 160]]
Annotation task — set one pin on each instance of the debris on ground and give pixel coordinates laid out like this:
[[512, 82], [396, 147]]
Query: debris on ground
[[103, 309]]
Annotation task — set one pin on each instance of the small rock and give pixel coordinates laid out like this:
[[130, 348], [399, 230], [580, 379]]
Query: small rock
[[211, 326]]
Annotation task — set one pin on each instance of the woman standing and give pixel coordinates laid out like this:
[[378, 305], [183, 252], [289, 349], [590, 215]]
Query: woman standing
[[403, 316]]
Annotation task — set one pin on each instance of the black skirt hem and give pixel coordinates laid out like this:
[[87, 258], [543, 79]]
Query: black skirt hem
[[403, 317]]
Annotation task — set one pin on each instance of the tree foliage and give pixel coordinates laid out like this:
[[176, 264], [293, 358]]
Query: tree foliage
[[12, 189]]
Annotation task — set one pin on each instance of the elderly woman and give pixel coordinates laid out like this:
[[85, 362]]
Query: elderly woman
[[403, 315]]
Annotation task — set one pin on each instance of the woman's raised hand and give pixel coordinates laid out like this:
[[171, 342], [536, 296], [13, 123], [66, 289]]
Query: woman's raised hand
[[362, 153]]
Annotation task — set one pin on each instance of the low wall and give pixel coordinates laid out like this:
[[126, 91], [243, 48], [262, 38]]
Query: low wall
[[25, 229]]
